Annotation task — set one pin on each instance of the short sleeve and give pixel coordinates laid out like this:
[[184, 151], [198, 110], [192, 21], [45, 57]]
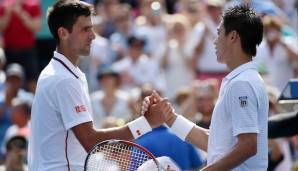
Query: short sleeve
[[241, 103], [71, 103]]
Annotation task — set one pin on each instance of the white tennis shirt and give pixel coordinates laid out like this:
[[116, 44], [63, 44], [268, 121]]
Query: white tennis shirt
[[242, 107], [61, 102]]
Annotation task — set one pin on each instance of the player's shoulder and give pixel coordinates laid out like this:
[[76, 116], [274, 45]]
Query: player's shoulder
[[53, 77]]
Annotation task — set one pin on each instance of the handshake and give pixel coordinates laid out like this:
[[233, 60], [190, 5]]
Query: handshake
[[157, 111]]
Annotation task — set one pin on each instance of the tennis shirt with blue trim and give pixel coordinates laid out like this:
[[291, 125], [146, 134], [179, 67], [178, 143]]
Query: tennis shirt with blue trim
[[242, 107], [61, 102]]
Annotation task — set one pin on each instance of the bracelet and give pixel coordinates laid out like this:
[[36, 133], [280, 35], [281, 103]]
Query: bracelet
[[139, 127], [181, 127]]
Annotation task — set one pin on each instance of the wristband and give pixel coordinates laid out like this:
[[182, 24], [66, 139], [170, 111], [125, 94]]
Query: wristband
[[139, 127], [181, 127]]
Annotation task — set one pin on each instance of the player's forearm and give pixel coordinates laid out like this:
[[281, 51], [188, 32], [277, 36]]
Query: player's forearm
[[89, 137], [242, 151], [198, 136]]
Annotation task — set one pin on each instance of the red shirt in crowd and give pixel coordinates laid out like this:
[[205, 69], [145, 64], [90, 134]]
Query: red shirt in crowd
[[16, 35]]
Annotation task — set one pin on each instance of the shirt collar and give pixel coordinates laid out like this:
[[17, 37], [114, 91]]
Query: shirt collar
[[70, 65], [240, 69]]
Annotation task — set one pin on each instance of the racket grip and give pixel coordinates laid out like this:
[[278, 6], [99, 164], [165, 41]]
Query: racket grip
[[139, 127], [181, 127]]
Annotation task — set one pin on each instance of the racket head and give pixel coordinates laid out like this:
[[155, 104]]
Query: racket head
[[118, 155]]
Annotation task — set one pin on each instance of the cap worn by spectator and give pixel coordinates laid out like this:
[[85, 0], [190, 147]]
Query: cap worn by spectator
[[15, 69]]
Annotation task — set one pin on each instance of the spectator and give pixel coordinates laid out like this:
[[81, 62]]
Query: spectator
[[14, 80], [137, 68], [124, 29], [201, 47], [151, 26], [206, 96], [16, 149], [20, 116], [110, 101], [277, 54], [176, 64], [191, 9], [20, 20], [107, 10]]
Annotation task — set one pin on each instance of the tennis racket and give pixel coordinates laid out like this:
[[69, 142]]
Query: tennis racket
[[119, 155]]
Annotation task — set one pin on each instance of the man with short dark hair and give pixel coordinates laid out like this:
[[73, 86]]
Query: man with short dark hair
[[61, 123], [237, 139]]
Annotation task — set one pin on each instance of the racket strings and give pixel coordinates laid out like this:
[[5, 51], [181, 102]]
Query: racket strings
[[116, 157]]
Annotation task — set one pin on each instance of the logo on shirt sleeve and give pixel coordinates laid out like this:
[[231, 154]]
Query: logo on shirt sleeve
[[80, 108], [243, 101]]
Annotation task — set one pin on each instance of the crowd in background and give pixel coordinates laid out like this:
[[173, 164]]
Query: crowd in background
[[140, 45]]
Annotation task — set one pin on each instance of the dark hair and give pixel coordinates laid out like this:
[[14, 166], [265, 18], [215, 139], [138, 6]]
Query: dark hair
[[65, 13], [135, 41], [247, 24], [17, 141]]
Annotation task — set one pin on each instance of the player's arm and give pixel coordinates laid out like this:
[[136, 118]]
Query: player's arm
[[245, 148], [183, 128], [89, 137], [197, 136]]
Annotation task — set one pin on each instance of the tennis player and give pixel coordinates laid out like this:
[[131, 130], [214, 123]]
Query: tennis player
[[237, 139], [61, 124]]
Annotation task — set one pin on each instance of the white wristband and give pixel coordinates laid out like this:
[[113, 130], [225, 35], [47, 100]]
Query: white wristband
[[139, 127], [181, 127]]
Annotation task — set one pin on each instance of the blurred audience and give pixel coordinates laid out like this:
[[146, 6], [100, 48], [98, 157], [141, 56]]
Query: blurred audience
[[20, 116], [201, 47], [110, 100], [15, 160], [152, 27], [20, 21], [277, 53], [137, 68], [142, 45], [175, 63], [12, 89]]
